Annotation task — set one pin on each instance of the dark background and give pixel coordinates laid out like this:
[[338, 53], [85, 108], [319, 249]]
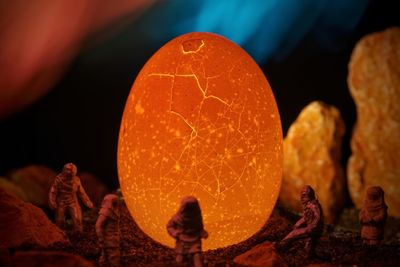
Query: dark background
[[78, 121]]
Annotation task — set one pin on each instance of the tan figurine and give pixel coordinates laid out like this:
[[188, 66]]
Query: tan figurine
[[373, 216], [186, 226], [311, 224], [107, 230], [63, 197]]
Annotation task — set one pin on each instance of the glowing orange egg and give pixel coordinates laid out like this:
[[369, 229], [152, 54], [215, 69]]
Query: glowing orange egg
[[201, 120]]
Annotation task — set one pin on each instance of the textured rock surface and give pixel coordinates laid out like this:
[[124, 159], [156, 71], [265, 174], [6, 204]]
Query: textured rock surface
[[12, 188], [374, 83], [35, 181], [48, 259], [95, 189], [312, 152], [262, 255], [23, 224], [342, 247]]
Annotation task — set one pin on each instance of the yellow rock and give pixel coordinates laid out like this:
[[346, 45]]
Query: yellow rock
[[374, 83], [312, 153]]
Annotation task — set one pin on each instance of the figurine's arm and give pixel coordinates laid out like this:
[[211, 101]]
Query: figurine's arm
[[299, 223], [304, 231], [296, 233], [100, 223], [380, 217], [364, 218], [83, 196], [315, 219], [311, 226], [53, 195], [173, 229]]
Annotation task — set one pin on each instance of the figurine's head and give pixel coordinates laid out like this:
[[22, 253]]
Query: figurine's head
[[70, 169], [190, 206], [189, 214], [374, 199], [307, 194], [375, 193]]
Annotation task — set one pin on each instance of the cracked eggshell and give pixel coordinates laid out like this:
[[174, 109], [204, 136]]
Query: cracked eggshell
[[201, 120]]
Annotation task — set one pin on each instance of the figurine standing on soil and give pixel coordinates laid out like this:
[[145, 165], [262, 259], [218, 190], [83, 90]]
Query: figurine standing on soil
[[107, 230], [310, 226], [63, 197], [373, 216], [186, 226]]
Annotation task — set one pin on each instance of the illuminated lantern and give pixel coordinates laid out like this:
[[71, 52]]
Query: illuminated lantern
[[201, 120]]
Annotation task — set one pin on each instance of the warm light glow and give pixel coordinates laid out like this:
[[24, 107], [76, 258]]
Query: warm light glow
[[201, 120]]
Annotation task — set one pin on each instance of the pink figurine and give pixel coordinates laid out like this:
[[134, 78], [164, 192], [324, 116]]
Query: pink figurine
[[186, 226], [373, 216], [310, 226], [63, 197], [107, 230]]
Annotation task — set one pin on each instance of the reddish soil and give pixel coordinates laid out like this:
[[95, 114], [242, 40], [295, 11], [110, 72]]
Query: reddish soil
[[340, 245]]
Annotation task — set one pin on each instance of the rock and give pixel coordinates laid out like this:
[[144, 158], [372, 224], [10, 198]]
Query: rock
[[95, 189], [12, 188], [23, 224], [262, 255], [374, 83], [312, 153], [48, 259], [35, 181]]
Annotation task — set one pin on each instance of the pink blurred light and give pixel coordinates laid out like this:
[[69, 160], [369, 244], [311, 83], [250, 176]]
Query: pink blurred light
[[39, 38]]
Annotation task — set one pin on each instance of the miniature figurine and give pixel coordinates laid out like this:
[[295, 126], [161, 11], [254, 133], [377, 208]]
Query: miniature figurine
[[310, 226], [186, 226], [373, 216], [107, 230], [63, 197]]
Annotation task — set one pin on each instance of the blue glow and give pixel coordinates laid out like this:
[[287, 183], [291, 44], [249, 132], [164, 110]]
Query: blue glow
[[264, 28]]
